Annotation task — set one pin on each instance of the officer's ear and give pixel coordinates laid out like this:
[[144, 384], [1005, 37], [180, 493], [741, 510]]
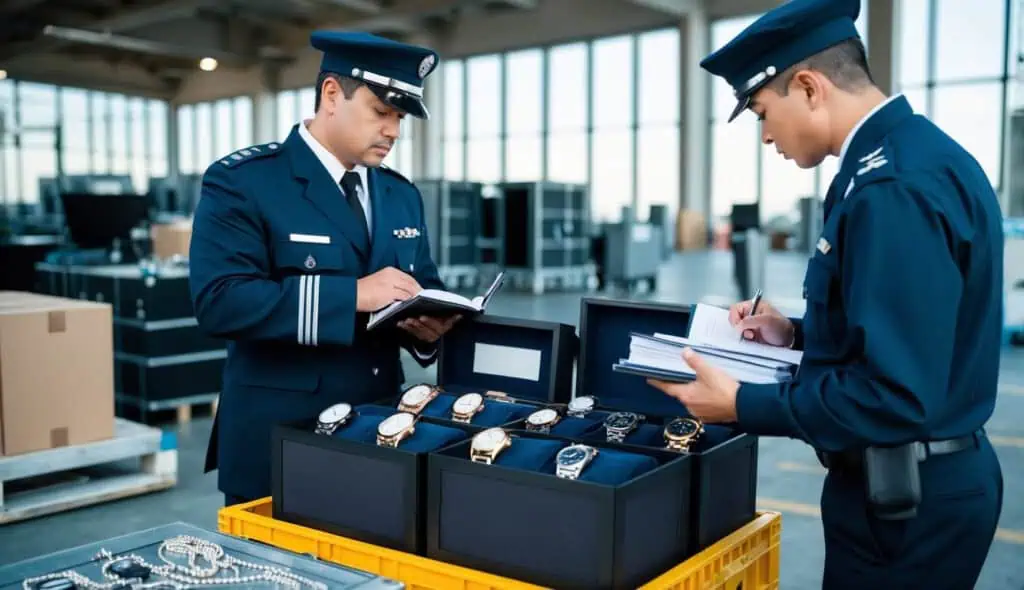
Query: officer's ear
[[810, 87]]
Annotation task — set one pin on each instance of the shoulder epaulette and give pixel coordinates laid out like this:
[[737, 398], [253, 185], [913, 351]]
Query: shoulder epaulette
[[250, 153], [394, 173], [873, 167]]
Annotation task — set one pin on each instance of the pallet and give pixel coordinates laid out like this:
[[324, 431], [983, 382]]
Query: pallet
[[566, 279], [141, 410], [55, 480]]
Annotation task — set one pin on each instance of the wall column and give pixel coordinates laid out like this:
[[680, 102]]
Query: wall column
[[883, 43], [694, 114], [426, 137], [264, 107]]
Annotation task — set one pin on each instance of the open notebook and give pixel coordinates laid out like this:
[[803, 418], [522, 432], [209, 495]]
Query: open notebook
[[713, 337], [434, 303]]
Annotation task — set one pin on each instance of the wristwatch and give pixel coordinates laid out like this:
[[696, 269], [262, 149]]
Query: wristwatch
[[542, 420], [488, 444], [581, 406], [620, 424], [570, 461], [330, 419], [417, 397], [500, 396], [467, 406], [395, 428], [681, 433]]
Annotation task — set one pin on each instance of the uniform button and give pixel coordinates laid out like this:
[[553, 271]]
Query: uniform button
[[376, 370]]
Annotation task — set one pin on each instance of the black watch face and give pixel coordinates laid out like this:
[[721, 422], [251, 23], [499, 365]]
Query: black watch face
[[620, 421], [682, 428], [571, 456]]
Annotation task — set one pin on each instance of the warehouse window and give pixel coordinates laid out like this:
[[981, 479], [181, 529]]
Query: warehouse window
[[657, 140], [954, 69], [483, 121], [568, 113], [613, 96], [453, 120], [524, 108]]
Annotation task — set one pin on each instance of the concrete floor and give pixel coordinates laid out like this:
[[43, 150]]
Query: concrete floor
[[789, 476]]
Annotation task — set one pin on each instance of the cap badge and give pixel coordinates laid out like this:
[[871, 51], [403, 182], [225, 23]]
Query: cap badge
[[310, 262], [425, 65]]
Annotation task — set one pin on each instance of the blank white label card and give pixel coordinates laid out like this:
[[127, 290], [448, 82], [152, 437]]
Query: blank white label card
[[507, 361]]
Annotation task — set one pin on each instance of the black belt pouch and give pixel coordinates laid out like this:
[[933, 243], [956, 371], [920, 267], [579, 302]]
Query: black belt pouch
[[893, 481]]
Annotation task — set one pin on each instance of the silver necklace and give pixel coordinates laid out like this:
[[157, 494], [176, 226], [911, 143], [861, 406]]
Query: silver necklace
[[205, 562]]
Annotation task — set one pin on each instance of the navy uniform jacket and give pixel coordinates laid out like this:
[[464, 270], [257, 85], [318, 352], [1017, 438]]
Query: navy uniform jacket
[[903, 327], [274, 266]]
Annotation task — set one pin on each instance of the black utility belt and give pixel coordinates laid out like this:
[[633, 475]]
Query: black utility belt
[[853, 461], [891, 477]]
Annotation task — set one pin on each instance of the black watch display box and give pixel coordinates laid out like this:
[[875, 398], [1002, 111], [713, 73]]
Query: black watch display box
[[725, 472], [358, 490], [538, 528]]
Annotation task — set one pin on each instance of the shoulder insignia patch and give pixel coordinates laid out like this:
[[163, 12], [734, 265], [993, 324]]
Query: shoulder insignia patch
[[394, 173], [876, 160], [872, 167], [250, 153]]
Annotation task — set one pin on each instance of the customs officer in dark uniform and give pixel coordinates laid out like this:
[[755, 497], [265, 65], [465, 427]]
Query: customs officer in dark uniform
[[294, 243], [902, 332]]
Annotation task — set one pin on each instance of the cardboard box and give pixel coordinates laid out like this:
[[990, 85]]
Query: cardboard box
[[56, 372], [171, 238]]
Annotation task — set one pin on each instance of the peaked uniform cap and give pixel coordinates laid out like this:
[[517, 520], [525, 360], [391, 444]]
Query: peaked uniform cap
[[394, 71], [781, 38]]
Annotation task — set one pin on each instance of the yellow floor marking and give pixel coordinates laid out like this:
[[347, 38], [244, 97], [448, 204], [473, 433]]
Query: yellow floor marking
[[1010, 389], [801, 467], [1006, 441], [787, 507]]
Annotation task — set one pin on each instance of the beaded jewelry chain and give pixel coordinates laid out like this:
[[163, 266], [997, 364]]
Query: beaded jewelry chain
[[205, 561]]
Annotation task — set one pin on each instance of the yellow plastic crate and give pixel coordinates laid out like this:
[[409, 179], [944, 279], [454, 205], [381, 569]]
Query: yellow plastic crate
[[747, 559]]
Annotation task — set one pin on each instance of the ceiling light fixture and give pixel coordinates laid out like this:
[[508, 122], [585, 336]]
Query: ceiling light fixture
[[208, 64]]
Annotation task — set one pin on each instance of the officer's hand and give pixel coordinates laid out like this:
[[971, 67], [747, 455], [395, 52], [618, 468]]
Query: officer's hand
[[711, 397], [768, 325], [384, 287], [428, 329]]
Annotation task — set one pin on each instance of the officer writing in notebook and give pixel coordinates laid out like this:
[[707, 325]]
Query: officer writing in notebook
[[901, 336], [295, 242]]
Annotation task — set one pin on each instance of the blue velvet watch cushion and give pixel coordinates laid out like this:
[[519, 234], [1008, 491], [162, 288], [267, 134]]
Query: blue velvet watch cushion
[[494, 413], [653, 434], [614, 467], [610, 466], [529, 454], [572, 427], [426, 437]]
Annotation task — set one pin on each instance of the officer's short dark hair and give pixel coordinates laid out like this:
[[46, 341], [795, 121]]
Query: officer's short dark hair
[[845, 64], [348, 86]]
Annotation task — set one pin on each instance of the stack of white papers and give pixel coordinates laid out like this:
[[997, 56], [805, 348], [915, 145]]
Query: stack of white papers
[[713, 337]]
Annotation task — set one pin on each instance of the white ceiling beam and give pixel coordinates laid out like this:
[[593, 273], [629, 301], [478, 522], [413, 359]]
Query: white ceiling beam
[[673, 7], [364, 6]]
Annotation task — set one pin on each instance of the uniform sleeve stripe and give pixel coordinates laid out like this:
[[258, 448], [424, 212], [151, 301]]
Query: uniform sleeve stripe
[[302, 309], [316, 308], [308, 312]]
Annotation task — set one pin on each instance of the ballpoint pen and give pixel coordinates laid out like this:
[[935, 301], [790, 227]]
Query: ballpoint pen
[[753, 307]]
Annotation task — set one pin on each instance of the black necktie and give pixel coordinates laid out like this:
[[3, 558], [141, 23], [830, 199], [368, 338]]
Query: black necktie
[[351, 184]]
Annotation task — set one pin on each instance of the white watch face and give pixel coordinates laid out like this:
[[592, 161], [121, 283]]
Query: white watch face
[[489, 439], [416, 395], [468, 403], [541, 417], [582, 404], [335, 413], [395, 424]]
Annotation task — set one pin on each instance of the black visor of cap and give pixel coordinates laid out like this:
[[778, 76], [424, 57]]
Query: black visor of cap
[[402, 101]]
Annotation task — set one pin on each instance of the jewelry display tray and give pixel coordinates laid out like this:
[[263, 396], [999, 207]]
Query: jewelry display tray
[[145, 543]]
